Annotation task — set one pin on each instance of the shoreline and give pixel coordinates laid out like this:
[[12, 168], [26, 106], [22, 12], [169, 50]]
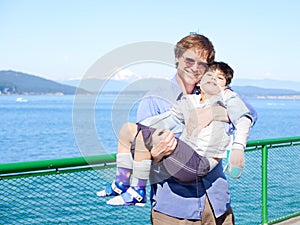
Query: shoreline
[[282, 97], [288, 97]]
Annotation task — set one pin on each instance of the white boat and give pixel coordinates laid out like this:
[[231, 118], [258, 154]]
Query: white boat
[[20, 99]]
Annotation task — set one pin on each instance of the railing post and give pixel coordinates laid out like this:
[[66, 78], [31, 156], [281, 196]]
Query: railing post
[[264, 199]]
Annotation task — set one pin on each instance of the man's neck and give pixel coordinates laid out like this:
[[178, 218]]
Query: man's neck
[[186, 88]]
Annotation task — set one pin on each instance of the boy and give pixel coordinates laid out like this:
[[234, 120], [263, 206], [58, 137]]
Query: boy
[[199, 148]]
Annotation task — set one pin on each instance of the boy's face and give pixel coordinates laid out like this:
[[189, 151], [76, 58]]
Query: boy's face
[[190, 67], [213, 82]]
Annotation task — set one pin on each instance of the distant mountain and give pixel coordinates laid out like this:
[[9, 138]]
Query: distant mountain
[[12, 82], [251, 91], [268, 83], [246, 90]]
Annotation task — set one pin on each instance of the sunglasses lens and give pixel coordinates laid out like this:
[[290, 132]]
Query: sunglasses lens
[[191, 62], [203, 67]]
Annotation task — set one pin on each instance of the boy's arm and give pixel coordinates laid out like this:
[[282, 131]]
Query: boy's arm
[[219, 113], [237, 108], [242, 132], [243, 117]]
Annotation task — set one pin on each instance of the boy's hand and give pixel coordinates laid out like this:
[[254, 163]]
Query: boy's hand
[[237, 158], [236, 163], [164, 144]]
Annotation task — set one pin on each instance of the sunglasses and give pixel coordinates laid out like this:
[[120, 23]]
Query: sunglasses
[[191, 62]]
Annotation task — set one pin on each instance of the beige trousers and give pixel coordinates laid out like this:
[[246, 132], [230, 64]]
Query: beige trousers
[[208, 218]]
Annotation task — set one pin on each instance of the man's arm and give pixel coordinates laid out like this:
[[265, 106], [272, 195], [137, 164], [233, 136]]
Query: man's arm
[[151, 106], [167, 123], [200, 118], [164, 141]]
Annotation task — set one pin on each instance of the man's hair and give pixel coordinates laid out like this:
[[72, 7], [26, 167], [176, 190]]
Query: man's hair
[[201, 44], [224, 68]]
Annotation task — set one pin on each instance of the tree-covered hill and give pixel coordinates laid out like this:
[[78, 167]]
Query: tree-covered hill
[[12, 82]]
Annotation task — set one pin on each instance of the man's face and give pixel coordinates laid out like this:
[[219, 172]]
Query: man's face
[[191, 67], [212, 82]]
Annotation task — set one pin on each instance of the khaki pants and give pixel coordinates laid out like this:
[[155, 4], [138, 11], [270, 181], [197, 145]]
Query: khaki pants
[[208, 218]]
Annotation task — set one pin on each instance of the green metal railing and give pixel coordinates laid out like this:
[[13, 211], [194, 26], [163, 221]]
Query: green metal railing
[[58, 165], [264, 146], [62, 191]]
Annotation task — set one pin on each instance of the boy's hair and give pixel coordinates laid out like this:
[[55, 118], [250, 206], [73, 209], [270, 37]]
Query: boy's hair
[[197, 42], [224, 68]]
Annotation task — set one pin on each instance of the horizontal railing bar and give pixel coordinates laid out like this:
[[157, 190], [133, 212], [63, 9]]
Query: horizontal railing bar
[[284, 218], [271, 146], [56, 171], [273, 141], [92, 160], [55, 163]]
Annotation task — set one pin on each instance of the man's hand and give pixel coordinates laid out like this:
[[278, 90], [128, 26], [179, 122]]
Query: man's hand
[[219, 113], [164, 144], [199, 118]]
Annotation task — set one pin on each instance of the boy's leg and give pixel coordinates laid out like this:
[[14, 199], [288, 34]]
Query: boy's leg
[[124, 162], [136, 194], [141, 164], [124, 157], [126, 136], [185, 164]]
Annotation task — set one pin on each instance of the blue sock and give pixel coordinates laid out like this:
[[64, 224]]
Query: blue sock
[[139, 183], [123, 175]]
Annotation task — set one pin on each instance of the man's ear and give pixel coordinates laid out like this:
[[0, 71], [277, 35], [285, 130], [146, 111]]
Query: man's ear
[[176, 62]]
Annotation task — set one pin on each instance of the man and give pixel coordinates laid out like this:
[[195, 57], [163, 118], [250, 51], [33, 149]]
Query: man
[[201, 202], [174, 202]]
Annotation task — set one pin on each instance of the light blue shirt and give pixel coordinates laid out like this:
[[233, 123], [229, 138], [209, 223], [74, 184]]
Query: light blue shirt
[[168, 196]]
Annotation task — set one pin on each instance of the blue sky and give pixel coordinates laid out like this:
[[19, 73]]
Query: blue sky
[[61, 39]]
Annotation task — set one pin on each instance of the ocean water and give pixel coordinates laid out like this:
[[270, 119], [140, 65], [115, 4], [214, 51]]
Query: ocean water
[[50, 127]]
